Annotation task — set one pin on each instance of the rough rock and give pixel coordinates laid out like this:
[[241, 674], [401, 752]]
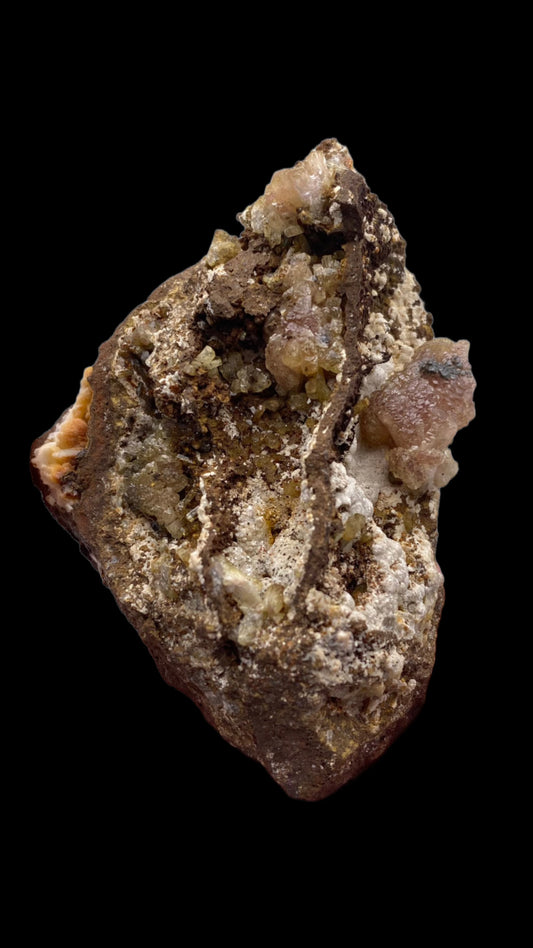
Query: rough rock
[[254, 466]]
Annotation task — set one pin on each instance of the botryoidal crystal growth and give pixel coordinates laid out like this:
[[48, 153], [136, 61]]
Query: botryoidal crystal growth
[[254, 466]]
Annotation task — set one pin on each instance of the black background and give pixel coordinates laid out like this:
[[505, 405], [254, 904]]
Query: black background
[[124, 183]]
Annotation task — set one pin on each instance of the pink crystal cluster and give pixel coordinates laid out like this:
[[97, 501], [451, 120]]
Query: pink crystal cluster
[[419, 410], [297, 195], [305, 333]]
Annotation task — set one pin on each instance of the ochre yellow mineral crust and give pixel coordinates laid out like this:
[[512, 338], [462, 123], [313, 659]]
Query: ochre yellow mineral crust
[[254, 463]]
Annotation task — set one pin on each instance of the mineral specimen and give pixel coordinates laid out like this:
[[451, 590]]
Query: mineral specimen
[[253, 464]]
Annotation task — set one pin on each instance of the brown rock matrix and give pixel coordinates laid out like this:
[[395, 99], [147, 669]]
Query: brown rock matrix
[[254, 465]]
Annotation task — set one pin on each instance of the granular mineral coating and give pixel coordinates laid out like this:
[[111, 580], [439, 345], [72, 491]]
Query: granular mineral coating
[[254, 466]]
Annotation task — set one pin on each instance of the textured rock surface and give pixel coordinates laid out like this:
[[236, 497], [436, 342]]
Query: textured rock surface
[[253, 464]]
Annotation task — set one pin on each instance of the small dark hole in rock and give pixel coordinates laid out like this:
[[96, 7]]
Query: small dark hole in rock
[[231, 650]]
